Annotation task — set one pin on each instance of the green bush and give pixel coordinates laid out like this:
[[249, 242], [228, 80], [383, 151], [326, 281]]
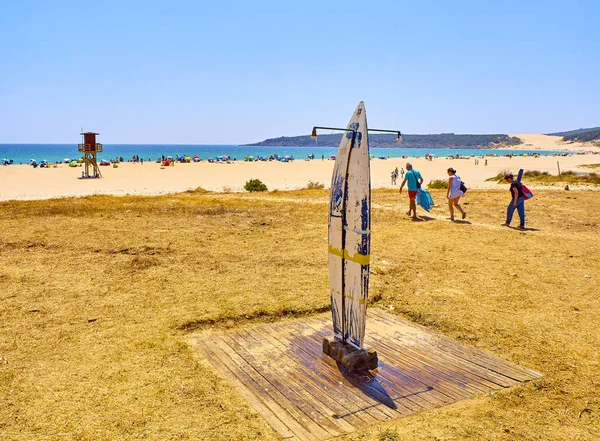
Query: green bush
[[315, 186], [499, 178], [255, 185], [438, 183], [534, 173]]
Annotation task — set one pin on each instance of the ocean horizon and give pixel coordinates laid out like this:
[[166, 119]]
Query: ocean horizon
[[23, 153]]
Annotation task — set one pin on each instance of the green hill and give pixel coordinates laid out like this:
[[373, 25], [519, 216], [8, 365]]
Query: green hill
[[443, 140], [588, 136], [573, 132]]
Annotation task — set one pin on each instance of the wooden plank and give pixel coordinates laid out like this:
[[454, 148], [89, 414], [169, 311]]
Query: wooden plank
[[425, 375], [373, 402], [273, 372], [486, 376], [467, 352], [333, 381], [465, 370], [313, 420], [314, 379], [422, 394], [302, 425], [271, 412], [471, 353], [458, 376], [282, 372], [409, 388], [428, 388], [381, 411]]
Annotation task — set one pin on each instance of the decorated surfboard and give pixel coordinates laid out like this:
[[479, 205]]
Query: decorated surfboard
[[349, 232]]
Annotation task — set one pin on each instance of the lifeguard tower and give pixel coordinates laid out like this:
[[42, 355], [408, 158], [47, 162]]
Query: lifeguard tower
[[89, 148]]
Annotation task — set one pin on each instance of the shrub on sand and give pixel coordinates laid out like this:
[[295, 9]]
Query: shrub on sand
[[255, 185], [499, 177], [315, 186], [534, 174], [568, 176], [437, 184]]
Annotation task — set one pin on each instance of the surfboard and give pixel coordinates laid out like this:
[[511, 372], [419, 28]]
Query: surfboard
[[350, 232]]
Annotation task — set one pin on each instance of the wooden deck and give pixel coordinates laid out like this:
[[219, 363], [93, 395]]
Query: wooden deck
[[281, 370]]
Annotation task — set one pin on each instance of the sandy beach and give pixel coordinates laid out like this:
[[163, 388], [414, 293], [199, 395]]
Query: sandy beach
[[23, 182]]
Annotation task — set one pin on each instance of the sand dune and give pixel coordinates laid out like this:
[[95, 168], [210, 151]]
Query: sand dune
[[547, 142]]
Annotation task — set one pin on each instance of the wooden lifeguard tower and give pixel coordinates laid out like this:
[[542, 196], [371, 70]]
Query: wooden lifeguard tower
[[89, 148]]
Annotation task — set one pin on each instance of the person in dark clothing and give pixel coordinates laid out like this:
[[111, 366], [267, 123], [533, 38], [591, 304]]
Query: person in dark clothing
[[517, 201]]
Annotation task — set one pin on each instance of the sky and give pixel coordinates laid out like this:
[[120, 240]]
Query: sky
[[234, 72]]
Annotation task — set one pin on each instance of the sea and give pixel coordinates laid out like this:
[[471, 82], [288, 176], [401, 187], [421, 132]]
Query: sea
[[23, 153]]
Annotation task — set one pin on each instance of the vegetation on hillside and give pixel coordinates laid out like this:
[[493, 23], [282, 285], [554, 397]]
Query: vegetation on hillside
[[443, 140], [592, 135], [573, 132]]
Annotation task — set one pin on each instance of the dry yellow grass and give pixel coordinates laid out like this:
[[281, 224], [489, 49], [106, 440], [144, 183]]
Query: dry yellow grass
[[97, 296]]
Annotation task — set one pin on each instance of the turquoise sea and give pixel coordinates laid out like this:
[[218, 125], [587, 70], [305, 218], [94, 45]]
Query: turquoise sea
[[22, 153]]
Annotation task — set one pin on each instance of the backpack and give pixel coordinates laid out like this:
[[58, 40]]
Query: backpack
[[527, 193]]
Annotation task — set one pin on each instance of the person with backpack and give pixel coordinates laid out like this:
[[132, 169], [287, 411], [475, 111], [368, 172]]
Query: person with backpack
[[454, 193], [414, 180], [517, 201]]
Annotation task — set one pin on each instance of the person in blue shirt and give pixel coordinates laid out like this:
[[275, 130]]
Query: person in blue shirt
[[414, 180]]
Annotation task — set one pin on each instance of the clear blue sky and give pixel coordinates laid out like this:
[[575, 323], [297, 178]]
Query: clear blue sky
[[240, 71]]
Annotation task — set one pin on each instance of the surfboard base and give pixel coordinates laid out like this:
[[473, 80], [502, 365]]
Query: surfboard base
[[351, 357]]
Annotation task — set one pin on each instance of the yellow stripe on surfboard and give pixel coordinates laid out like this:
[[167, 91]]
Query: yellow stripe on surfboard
[[360, 301], [361, 259]]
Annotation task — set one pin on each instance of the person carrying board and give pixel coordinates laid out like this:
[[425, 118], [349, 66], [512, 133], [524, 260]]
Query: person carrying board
[[517, 202], [414, 180]]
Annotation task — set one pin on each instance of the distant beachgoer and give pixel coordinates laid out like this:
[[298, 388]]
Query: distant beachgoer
[[414, 180], [517, 202], [486, 161], [322, 157], [393, 177], [402, 173], [454, 193]]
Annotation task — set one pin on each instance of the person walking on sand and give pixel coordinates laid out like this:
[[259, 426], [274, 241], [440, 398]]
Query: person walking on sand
[[414, 180], [517, 201], [454, 193]]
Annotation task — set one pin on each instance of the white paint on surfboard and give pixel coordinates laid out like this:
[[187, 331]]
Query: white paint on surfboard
[[350, 232]]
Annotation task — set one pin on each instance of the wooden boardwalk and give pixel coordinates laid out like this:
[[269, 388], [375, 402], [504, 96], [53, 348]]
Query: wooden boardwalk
[[281, 370]]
